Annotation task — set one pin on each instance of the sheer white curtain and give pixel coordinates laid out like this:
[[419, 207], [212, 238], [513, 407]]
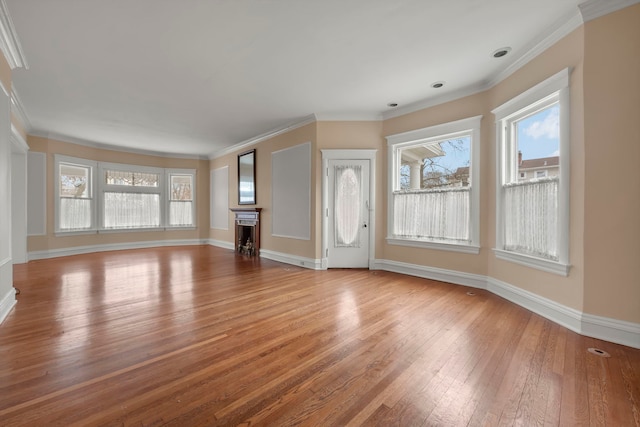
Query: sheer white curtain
[[75, 213], [347, 205], [435, 214], [531, 217], [180, 213], [131, 210]]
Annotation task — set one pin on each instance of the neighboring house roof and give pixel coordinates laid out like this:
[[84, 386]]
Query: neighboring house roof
[[540, 163]]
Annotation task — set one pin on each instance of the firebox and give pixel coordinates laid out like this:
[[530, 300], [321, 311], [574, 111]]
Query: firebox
[[247, 225]]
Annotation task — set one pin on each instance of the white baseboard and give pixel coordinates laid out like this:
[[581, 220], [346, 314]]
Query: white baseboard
[[78, 250], [7, 303], [604, 328], [221, 244], [449, 276], [617, 331], [558, 313], [313, 264]]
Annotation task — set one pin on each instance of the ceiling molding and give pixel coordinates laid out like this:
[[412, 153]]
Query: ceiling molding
[[348, 117], [263, 137], [432, 102], [546, 39], [17, 108], [17, 141], [118, 148], [592, 9], [9, 42]]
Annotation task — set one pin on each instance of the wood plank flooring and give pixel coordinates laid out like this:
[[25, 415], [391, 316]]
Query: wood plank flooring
[[191, 336]]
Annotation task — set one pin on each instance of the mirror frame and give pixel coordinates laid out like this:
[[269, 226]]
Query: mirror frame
[[247, 176]]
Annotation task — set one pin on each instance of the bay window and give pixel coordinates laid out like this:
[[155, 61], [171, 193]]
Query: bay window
[[97, 196]]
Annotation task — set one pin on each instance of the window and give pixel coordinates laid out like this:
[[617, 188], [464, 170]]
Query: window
[[127, 197], [433, 197], [181, 201], [75, 204], [131, 196], [533, 170]]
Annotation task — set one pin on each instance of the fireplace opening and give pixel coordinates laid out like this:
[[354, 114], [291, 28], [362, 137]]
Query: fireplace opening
[[247, 231], [246, 239]]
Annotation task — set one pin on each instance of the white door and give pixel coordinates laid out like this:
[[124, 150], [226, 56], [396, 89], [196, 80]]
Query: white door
[[348, 214]]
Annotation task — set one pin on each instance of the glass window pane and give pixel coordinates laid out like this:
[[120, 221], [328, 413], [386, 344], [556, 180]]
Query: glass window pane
[[74, 181], [134, 179], [181, 188], [436, 164], [538, 144], [348, 199]]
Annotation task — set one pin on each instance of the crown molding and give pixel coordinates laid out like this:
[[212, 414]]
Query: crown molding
[[263, 137], [592, 9], [546, 39], [554, 34], [9, 41], [432, 102], [17, 108], [93, 144], [348, 117]]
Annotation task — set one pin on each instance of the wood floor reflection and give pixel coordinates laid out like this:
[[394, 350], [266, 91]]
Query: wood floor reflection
[[191, 336]]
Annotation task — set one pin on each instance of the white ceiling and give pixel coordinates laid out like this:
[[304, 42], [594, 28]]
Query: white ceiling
[[193, 77]]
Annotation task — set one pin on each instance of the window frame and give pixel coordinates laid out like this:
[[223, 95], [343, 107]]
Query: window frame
[[59, 160], [103, 188], [468, 126], [173, 172], [548, 92], [98, 187]]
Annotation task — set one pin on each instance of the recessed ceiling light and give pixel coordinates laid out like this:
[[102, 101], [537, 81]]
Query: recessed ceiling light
[[392, 104], [437, 85], [501, 52]]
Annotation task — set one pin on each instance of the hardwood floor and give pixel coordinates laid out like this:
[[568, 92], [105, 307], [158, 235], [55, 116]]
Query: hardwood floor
[[191, 336]]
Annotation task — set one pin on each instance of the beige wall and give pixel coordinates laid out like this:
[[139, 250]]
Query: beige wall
[[50, 241], [355, 135], [298, 247], [612, 158]]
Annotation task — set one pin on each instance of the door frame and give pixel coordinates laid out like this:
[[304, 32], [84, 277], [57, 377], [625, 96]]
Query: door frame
[[345, 154]]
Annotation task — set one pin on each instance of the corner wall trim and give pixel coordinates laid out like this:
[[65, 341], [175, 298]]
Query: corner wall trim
[[7, 303]]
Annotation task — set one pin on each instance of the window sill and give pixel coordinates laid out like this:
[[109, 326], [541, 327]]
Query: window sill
[[452, 247], [549, 266]]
